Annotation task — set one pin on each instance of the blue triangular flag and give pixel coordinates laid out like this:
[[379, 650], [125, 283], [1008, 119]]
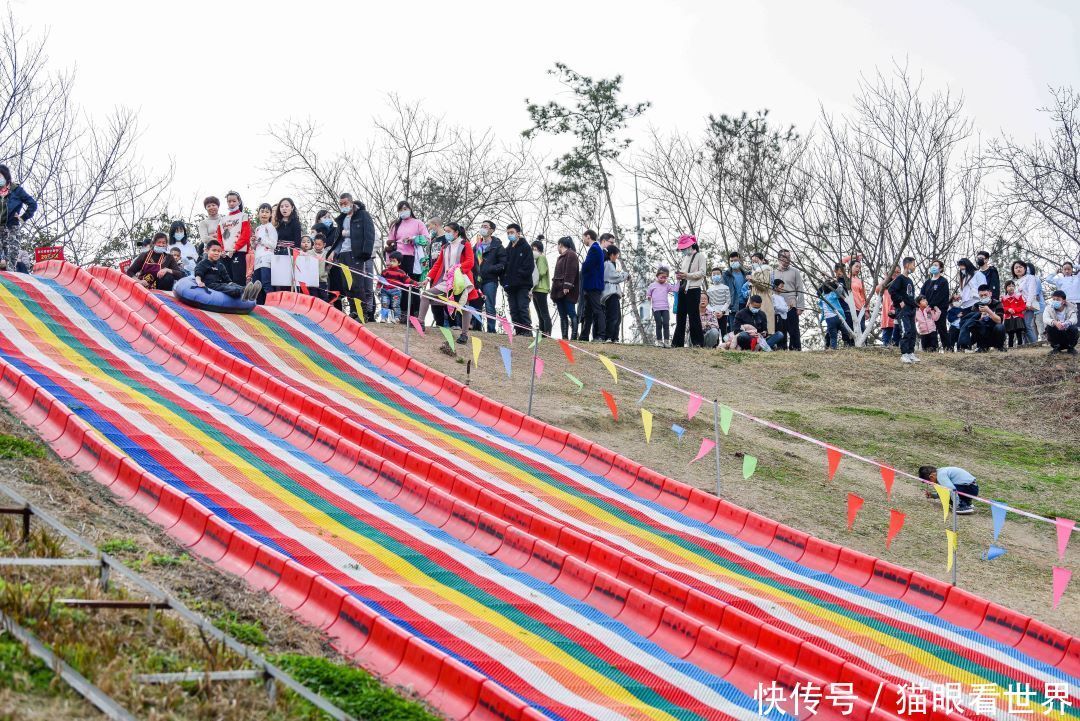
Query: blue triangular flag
[[648, 387], [998, 511], [506, 359], [679, 430], [994, 552]]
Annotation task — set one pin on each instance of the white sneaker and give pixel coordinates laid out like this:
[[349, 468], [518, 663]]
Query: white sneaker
[[915, 358], [906, 358]]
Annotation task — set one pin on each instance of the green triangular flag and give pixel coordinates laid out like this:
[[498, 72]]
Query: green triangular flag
[[725, 419], [749, 465], [449, 336], [574, 380]]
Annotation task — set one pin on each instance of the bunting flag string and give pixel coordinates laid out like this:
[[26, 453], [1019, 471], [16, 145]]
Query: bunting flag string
[[417, 324], [1064, 530], [993, 552], [567, 350], [575, 381], [646, 421], [834, 460], [449, 336], [610, 400], [506, 356], [896, 522], [950, 536], [508, 328], [648, 387], [477, 344], [749, 465], [609, 365], [693, 406], [854, 503], [538, 366], [888, 476], [997, 512], [943, 494], [725, 419], [1062, 576], [706, 446], [678, 430]]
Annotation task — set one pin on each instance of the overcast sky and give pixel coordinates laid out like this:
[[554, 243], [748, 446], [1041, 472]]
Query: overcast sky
[[209, 78]]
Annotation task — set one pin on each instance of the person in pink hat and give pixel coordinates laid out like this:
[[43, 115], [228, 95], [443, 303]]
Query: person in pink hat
[[691, 279]]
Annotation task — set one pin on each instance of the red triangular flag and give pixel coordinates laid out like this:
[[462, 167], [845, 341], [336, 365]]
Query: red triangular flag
[[334, 295], [888, 475], [567, 350], [611, 405], [303, 288], [896, 522], [854, 503], [295, 253], [834, 460]]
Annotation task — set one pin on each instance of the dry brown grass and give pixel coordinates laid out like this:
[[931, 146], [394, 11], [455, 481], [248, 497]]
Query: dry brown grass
[[1009, 419]]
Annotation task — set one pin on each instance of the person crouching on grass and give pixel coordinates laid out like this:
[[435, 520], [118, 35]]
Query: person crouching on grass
[[955, 479], [213, 273]]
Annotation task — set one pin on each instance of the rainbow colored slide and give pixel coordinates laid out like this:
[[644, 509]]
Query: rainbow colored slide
[[499, 567]]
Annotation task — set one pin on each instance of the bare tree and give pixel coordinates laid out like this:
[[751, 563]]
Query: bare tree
[[1045, 176]]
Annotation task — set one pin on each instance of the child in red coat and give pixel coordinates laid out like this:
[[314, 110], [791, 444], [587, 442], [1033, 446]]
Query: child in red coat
[[1012, 301]]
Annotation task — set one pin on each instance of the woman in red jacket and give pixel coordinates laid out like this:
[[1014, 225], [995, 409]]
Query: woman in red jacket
[[447, 282]]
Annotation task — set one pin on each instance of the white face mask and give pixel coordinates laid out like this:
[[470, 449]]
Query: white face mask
[[404, 214], [485, 232]]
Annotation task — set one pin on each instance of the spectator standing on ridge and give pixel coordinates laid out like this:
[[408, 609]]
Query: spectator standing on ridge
[[541, 286], [517, 278], [735, 280], [1060, 319], [208, 226], [902, 292], [970, 280], [926, 318], [16, 207], [795, 296], [406, 233], [178, 238], [287, 224], [936, 291], [1014, 305], [1028, 285], [890, 333], [566, 287], [955, 479], [659, 293], [265, 245], [592, 288], [1067, 281], [612, 295], [353, 248], [990, 272], [490, 264], [691, 279], [858, 294], [234, 234]]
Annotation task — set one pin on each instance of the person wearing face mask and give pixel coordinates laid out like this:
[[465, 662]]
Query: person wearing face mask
[[691, 279], [178, 239], [936, 291], [541, 286], [612, 295], [491, 264], [16, 207], [1060, 319], [592, 287], [753, 327], [451, 276], [759, 283], [902, 292], [354, 247], [990, 272], [1068, 281], [406, 233], [324, 226], [735, 280], [156, 268], [719, 296], [988, 329], [517, 278]]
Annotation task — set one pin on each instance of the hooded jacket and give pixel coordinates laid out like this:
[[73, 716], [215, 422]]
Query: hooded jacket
[[17, 200], [361, 233]]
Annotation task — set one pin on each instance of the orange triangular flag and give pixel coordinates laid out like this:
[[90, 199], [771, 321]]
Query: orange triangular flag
[[854, 503], [834, 460], [611, 405], [888, 475], [567, 350], [896, 522]]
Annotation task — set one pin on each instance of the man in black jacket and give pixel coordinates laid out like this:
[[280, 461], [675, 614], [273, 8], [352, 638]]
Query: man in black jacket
[[993, 279], [354, 247], [752, 316], [902, 292], [936, 291], [490, 263], [987, 330], [517, 278], [213, 273]]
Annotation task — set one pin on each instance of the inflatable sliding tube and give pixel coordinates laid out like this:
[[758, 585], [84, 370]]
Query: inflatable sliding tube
[[646, 586], [741, 649]]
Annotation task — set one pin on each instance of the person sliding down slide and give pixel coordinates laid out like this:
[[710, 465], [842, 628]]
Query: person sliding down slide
[[212, 273]]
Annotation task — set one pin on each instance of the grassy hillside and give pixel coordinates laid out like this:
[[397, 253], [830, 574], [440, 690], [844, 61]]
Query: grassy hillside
[[1009, 419]]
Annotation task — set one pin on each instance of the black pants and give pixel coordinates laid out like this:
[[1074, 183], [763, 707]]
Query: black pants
[[689, 306], [518, 299], [905, 323], [612, 317], [543, 314], [662, 320], [929, 341], [238, 267], [568, 322], [592, 316], [942, 324], [791, 330], [233, 290], [986, 334], [1062, 339]]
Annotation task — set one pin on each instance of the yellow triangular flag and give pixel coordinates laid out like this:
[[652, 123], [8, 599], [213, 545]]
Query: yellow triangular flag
[[610, 366], [476, 346], [951, 536], [646, 420], [943, 494], [348, 277]]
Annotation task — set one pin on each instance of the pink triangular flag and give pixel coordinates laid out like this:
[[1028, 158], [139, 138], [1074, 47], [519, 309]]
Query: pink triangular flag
[[854, 503], [896, 522], [508, 328], [1064, 530], [1062, 576], [693, 405], [538, 367], [706, 446], [417, 324], [834, 460], [888, 475]]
